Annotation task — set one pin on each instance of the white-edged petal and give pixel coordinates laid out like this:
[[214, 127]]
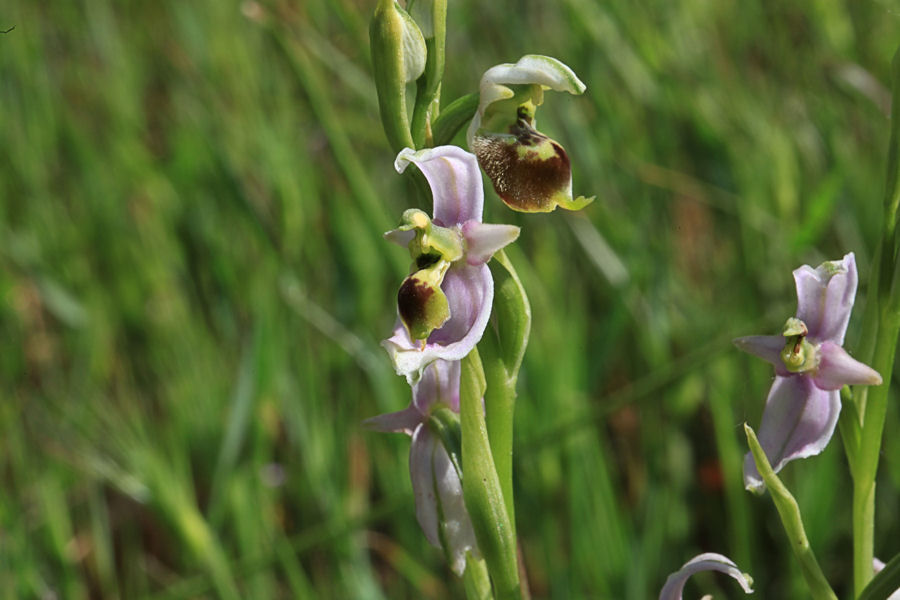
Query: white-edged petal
[[455, 181], [483, 239], [837, 369], [709, 561], [798, 421], [535, 69]]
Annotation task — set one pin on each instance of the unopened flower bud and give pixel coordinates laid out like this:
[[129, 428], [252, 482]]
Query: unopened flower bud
[[398, 57]]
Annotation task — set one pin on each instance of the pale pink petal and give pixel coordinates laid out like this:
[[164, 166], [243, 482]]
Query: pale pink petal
[[455, 181], [439, 383], [470, 292], [766, 347], [400, 237], [798, 421], [837, 369], [456, 526], [403, 421], [483, 239], [825, 298], [710, 561], [440, 507], [530, 69], [421, 471]]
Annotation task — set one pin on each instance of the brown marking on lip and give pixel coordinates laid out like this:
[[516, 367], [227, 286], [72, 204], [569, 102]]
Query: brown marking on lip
[[412, 298], [527, 183]]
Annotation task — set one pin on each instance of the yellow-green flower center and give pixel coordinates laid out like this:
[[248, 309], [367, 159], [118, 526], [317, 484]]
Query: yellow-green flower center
[[798, 355]]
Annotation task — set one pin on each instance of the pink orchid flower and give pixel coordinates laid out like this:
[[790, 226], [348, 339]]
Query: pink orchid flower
[[810, 367], [445, 303]]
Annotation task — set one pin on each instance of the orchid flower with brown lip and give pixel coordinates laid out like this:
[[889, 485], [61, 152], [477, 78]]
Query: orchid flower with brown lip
[[530, 172], [445, 303]]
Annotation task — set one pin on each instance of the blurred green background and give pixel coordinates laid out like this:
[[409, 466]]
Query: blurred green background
[[193, 286]]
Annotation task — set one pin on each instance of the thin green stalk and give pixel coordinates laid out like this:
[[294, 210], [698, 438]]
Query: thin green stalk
[[481, 486], [477, 580], [499, 406], [863, 534], [502, 349], [429, 84], [792, 522]]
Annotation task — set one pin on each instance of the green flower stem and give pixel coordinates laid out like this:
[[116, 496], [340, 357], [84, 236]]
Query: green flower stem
[[881, 323], [502, 348], [789, 512], [477, 580], [499, 407], [481, 486], [453, 117]]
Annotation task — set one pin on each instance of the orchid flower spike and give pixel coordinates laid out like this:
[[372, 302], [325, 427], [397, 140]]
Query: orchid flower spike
[[810, 367], [530, 172], [431, 419], [445, 303], [709, 561]]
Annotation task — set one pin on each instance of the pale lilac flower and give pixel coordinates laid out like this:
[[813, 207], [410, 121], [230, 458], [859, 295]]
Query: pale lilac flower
[[810, 367], [444, 305], [440, 508], [709, 561]]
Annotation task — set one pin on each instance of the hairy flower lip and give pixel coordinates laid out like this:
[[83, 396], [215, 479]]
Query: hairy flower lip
[[529, 171], [803, 406]]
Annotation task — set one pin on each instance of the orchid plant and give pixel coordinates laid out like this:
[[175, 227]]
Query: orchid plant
[[462, 372]]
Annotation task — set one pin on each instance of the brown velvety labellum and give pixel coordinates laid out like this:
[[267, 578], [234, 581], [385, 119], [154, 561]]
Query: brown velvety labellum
[[529, 170], [412, 302]]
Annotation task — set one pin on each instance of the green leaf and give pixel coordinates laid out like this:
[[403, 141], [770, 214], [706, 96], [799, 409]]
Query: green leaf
[[885, 583], [452, 118], [511, 317]]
